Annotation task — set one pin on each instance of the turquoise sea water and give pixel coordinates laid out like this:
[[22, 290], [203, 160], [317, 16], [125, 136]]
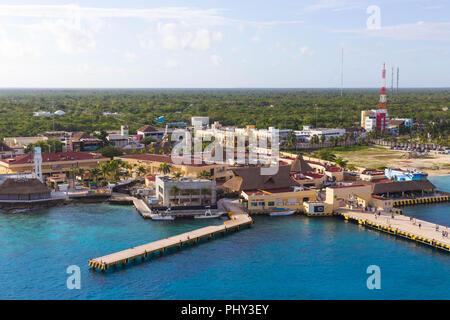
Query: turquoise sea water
[[278, 258]]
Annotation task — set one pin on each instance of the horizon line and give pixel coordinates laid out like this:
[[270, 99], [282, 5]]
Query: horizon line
[[202, 88]]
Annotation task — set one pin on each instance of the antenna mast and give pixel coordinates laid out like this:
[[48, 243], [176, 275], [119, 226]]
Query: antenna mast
[[342, 80], [398, 72]]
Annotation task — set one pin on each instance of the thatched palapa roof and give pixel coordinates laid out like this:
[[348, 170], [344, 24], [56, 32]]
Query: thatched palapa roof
[[402, 186], [300, 164], [23, 186], [250, 178]]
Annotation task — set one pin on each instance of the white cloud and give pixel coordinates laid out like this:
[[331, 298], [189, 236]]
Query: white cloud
[[306, 50], [216, 60], [438, 31], [256, 39], [334, 5], [194, 16], [12, 48], [172, 64], [70, 38], [173, 36], [129, 56]]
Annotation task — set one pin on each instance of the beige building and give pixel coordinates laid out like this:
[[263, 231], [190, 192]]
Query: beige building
[[263, 193], [343, 195], [59, 162], [152, 162]]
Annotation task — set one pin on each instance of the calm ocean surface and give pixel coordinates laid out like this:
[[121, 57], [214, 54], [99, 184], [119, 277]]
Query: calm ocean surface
[[278, 258]]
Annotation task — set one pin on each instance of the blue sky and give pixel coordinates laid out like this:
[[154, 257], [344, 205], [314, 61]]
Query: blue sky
[[219, 44]]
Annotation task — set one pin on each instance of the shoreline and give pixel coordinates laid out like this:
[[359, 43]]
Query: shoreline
[[437, 173]]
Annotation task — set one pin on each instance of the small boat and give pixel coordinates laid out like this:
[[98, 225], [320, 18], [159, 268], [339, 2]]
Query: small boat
[[208, 215], [163, 216], [281, 212]]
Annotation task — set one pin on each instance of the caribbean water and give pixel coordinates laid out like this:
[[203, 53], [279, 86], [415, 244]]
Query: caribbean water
[[294, 257]]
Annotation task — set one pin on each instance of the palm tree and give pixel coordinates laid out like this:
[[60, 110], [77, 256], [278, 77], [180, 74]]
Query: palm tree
[[341, 162], [165, 168], [190, 192], [322, 138], [141, 170], [204, 175], [94, 173], [291, 141], [175, 191], [204, 191], [177, 175]]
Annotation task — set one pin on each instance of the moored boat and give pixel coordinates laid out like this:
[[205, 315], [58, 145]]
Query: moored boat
[[281, 212], [208, 215]]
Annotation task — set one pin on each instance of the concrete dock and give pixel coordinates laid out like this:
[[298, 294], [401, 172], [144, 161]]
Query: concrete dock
[[421, 200], [142, 208], [402, 226], [160, 246]]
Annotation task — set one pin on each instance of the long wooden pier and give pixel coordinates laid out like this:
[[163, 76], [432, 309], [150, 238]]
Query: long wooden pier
[[160, 246], [401, 226]]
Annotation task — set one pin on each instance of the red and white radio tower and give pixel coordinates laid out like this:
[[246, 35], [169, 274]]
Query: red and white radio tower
[[383, 88]]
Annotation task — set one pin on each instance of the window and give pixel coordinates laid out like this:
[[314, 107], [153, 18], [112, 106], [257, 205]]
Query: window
[[253, 204], [271, 203], [306, 199], [261, 204]]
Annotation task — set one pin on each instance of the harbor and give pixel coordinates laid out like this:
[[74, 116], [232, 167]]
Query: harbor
[[275, 250]]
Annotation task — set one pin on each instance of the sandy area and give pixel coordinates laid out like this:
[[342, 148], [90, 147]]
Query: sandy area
[[374, 157]]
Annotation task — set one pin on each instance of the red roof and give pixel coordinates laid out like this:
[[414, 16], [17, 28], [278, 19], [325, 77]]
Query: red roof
[[55, 157], [261, 193], [314, 175], [159, 158], [379, 197], [350, 186], [373, 172], [328, 167]]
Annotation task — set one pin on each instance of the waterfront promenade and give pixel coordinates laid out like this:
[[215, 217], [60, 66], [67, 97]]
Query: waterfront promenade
[[160, 246], [403, 226]]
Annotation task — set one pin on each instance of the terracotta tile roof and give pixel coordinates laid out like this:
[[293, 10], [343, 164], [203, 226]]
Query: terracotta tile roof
[[327, 167], [148, 128], [159, 158], [55, 157]]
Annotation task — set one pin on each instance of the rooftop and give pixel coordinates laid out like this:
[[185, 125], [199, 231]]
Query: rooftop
[[53, 157], [23, 186], [149, 128]]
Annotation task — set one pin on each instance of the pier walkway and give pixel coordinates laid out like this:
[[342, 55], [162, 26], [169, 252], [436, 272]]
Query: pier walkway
[[160, 246], [402, 226], [142, 208]]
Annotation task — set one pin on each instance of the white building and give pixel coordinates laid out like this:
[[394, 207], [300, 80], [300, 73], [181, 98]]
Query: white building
[[185, 191], [202, 122], [307, 133], [376, 119], [59, 113], [42, 114]]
